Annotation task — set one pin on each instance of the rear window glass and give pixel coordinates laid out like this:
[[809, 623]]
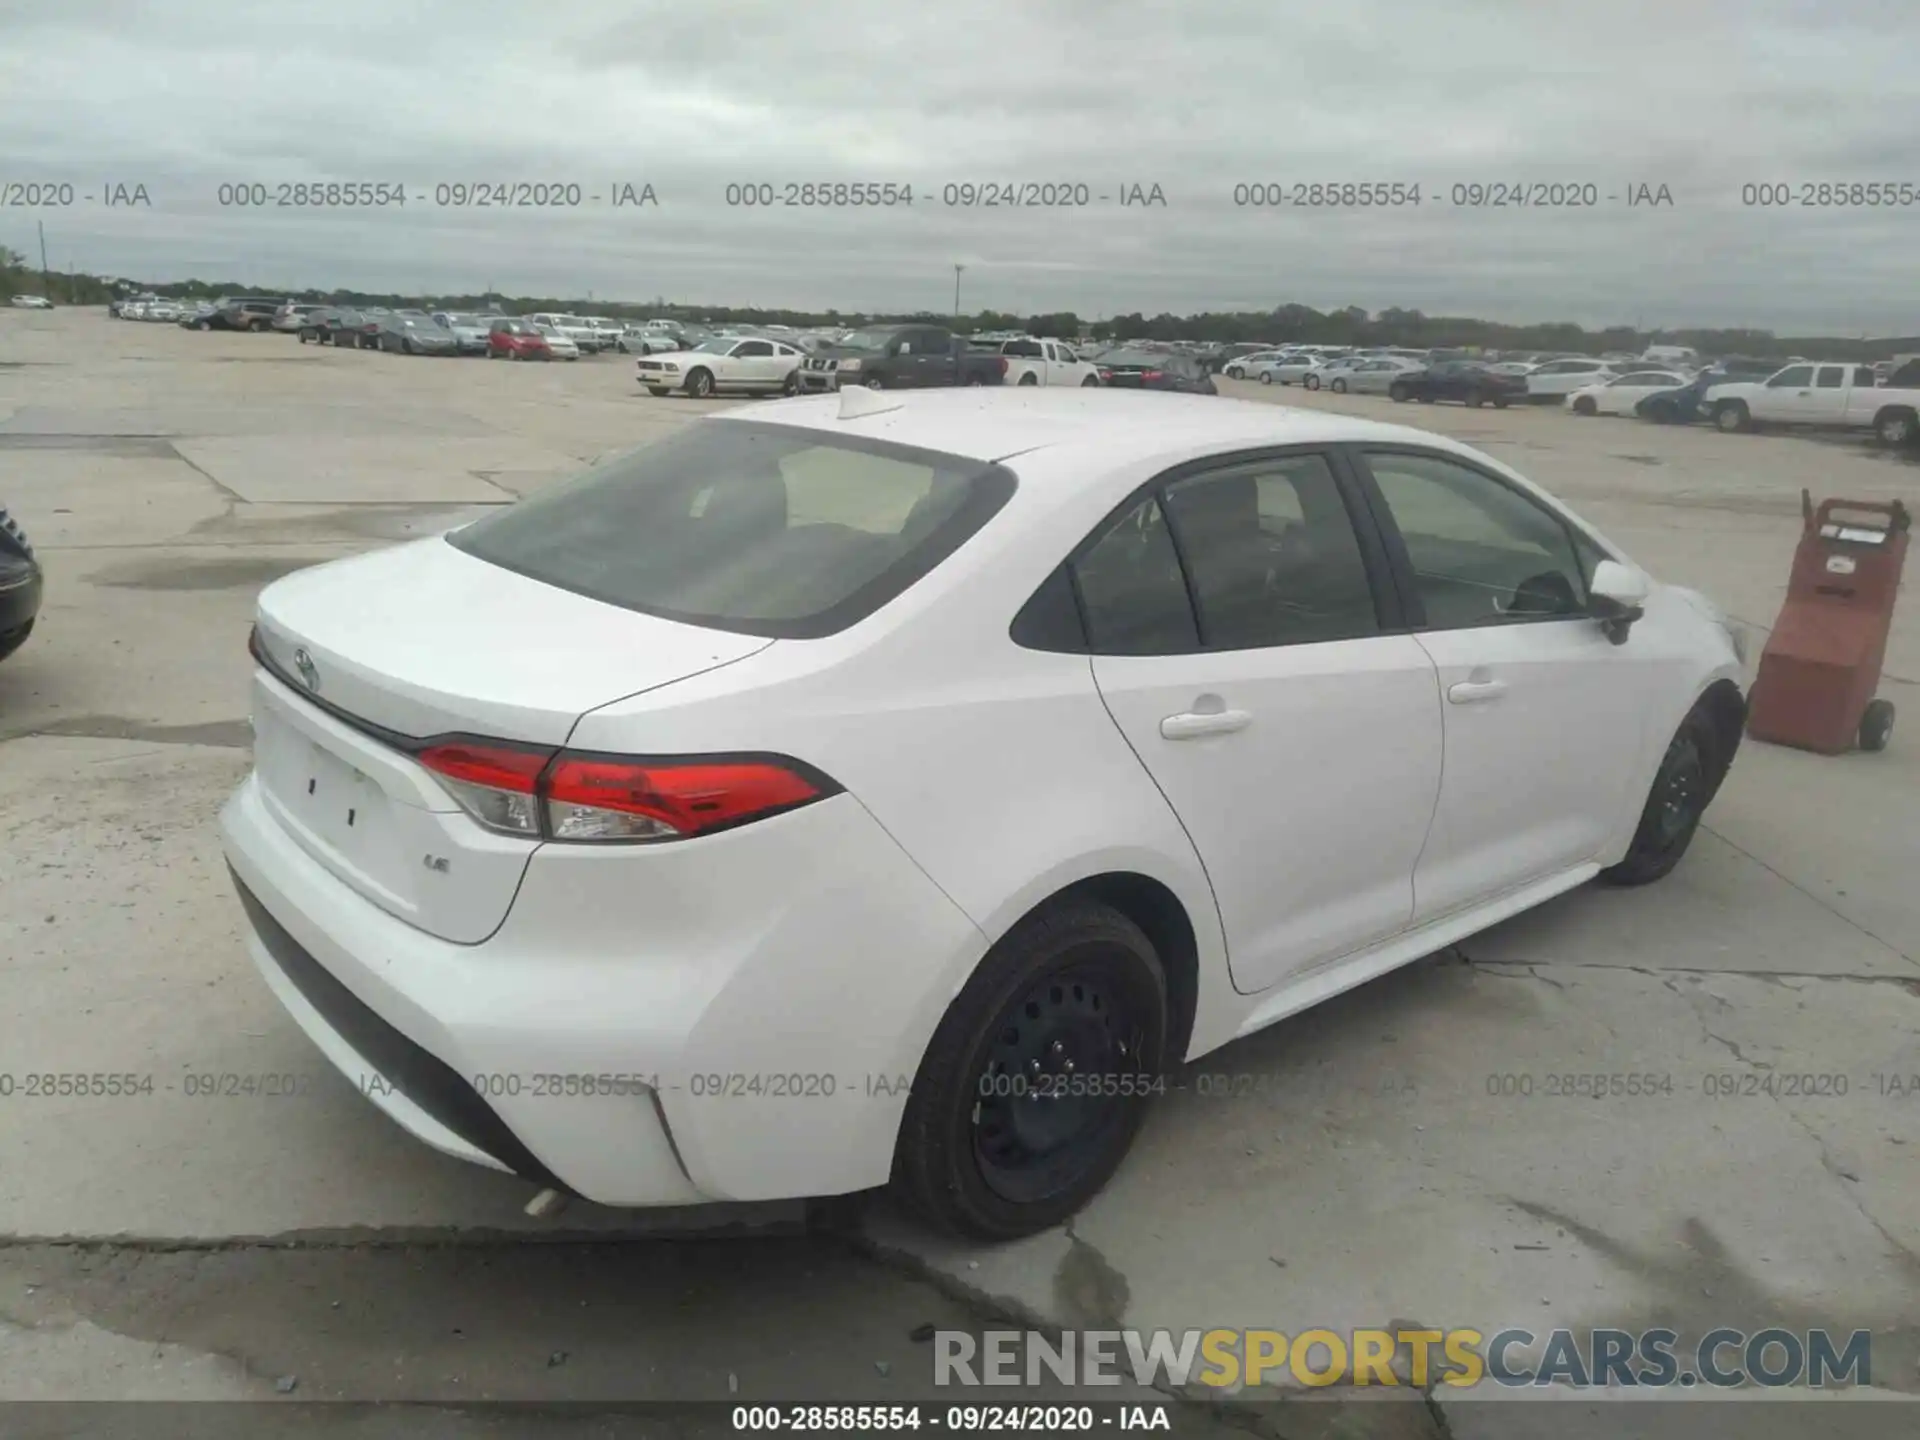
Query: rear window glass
[[760, 529]]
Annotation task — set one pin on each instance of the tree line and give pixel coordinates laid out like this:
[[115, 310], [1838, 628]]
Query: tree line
[[1284, 324]]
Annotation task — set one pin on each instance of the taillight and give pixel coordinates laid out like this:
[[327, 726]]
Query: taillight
[[1106, 375], [1003, 367], [1151, 375], [567, 796]]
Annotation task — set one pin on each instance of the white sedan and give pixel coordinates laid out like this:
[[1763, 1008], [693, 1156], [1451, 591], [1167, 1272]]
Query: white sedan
[[1283, 369], [1336, 368], [1242, 366], [723, 365], [1622, 396], [869, 789], [31, 302]]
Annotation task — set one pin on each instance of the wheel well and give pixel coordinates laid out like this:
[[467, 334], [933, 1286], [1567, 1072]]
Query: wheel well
[[1885, 410], [1157, 911], [1726, 710]]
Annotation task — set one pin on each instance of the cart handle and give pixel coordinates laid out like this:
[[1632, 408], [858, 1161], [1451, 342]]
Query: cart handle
[[1895, 512]]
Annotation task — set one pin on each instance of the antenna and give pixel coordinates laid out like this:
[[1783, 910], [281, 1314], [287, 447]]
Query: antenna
[[857, 402]]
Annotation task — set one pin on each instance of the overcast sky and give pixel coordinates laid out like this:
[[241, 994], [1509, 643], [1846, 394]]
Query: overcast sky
[[1701, 96]]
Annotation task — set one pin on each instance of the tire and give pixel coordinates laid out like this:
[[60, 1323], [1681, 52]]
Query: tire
[[1093, 380], [201, 325], [1681, 789], [1475, 399], [791, 385], [1077, 975], [406, 348], [1585, 405], [1339, 387], [1399, 393], [657, 391], [1029, 379], [878, 382], [15, 638], [1732, 417], [972, 381], [1876, 721], [1234, 372], [1895, 427], [1266, 377], [699, 384], [1310, 382]]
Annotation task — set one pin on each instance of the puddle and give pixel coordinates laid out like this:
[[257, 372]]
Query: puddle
[[244, 572]]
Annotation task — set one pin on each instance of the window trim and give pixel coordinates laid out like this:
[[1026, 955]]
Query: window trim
[[1389, 601], [1396, 545]]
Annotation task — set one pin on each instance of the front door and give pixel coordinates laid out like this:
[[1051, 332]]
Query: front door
[[1787, 397], [1543, 714], [1240, 649]]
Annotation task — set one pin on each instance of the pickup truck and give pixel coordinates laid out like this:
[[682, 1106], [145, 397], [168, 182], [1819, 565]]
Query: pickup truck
[[1833, 395], [1043, 362], [901, 357]]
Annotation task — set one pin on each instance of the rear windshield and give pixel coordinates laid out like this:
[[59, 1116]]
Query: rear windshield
[[759, 529]]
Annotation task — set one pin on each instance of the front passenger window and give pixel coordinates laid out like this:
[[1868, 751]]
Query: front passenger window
[[1482, 553]]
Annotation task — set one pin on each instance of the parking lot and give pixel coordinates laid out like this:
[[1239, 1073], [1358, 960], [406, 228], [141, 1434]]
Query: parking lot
[[1391, 1158]]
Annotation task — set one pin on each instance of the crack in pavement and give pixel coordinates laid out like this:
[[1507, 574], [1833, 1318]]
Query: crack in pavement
[[1817, 899]]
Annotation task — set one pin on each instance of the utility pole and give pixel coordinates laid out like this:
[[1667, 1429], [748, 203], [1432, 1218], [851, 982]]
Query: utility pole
[[957, 271], [46, 282]]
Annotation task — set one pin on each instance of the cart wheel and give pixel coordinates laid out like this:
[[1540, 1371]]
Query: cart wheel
[[1876, 725]]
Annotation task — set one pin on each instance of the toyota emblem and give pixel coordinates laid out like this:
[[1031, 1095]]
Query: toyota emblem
[[309, 672]]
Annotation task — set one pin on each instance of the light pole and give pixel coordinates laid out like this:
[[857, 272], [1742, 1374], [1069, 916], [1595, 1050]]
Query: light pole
[[957, 270]]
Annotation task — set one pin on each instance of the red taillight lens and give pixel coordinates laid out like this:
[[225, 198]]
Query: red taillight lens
[[495, 784], [1106, 374], [543, 795], [1003, 367], [613, 799], [1150, 375]]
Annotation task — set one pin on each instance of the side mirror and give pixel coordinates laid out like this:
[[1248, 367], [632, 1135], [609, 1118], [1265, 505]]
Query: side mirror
[[1618, 597]]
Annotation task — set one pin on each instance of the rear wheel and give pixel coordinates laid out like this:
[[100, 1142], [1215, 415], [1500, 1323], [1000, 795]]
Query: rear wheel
[[1266, 377], [1397, 391], [1029, 379], [1585, 405], [1475, 399], [1311, 382], [1895, 427], [1339, 387], [1038, 1077], [1235, 372], [1681, 790], [1876, 724]]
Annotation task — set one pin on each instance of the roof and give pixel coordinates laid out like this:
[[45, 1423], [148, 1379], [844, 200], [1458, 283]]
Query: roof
[[997, 422]]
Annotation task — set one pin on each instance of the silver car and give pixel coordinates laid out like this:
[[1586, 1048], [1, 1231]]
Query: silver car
[[1375, 376]]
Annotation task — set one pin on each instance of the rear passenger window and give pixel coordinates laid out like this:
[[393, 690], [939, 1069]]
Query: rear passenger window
[[1132, 589], [1273, 555]]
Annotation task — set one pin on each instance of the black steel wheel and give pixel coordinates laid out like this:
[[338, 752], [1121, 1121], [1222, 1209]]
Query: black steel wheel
[[1681, 790], [1038, 1077]]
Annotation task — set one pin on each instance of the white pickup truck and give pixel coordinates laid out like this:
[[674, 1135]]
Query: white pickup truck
[[1832, 395], [1046, 362]]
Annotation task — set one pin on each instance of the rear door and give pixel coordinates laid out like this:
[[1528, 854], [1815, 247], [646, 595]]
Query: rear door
[[1544, 716], [1827, 405], [1245, 643]]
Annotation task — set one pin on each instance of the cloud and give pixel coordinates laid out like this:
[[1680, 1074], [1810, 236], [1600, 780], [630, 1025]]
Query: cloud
[[1703, 98]]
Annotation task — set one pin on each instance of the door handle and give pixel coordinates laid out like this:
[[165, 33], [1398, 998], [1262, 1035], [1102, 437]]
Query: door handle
[[1193, 724], [1473, 692]]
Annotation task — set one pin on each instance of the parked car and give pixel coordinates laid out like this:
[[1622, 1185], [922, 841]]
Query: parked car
[[1467, 381], [373, 320], [21, 584], [240, 313], [579, 331], [511, 339], [1285, 369], [191, 317], [900, 357], [1837, 396], [1335, 367], [1045, 362], [163, 311], [289, 319], [1407, 736], [469, 331], [640, 340], [606, 333], [316, 326], [1143, 370], [1670, 357], [1519, 369], [561, 345], [1623, 394], [1238, 367], [1375, 376], [762, 366], [414, 333], [1557, 379], [31, 302]]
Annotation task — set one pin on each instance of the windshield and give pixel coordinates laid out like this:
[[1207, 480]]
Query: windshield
[[866, 340], [747, 527]]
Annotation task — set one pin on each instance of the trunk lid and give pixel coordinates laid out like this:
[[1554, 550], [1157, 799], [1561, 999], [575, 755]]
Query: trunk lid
[[367, 654]]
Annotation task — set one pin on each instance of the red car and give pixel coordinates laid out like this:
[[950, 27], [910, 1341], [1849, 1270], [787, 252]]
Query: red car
[[516, 340]]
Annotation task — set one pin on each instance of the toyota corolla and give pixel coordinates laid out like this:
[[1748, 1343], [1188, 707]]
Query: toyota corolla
[[895, 788]]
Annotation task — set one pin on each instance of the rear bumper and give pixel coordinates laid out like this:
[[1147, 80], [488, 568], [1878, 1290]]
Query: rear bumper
[[633, 1033]]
